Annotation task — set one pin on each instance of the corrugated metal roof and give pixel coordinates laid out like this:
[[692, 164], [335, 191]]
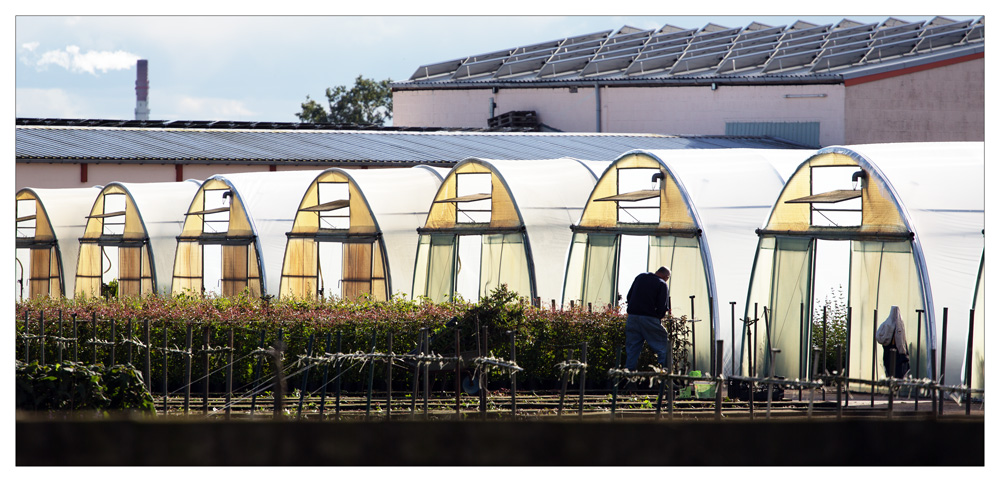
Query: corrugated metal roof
[[800, 53], [35, 143]]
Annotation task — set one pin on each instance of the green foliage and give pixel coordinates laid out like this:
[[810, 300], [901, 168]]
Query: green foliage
[[680, 343], [63, 386], [109, 289], [543, 337], [836, 329], [368, 102]]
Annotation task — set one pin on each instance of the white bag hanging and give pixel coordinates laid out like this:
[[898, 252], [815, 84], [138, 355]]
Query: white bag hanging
[[887, 330]]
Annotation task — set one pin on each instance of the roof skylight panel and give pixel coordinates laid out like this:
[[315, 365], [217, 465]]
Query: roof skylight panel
[[783, 50], [898, 37], [588, 45], [938, 28], [529, 55], [607, 65], [626, 52], [635, 43], [699, 62], [472, 69], [521, 67], [789, 61], [848, 24], [499, 54], [438, 69], [697, 51], [858, 37], [882, 51], [629, 37], [653, 64], [562, 67], [680, 36], [793, 33], [827, 61], [662, 47], [670, 50], [835, 48], [914, 27], [584, 53], [706, 35], [527, 49], [975, 33], [942, 39], [771, 41], [809, 40], [852, 31], [585, 38], [733, 63]]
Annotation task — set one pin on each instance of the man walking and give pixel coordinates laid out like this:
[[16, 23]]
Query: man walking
[[648, 302]]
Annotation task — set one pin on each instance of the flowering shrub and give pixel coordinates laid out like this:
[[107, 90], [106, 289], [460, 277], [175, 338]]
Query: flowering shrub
[[544, 337]]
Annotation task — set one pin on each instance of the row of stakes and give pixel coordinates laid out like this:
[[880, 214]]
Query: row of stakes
[[422, 358]]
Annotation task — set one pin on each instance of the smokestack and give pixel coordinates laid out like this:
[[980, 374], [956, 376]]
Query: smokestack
[[142, 90]]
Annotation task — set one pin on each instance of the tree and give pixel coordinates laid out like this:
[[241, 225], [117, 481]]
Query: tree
[[835, 332], [368, 102]]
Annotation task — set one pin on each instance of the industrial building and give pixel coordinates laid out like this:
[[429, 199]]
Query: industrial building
[[53, 153], [817, 85]]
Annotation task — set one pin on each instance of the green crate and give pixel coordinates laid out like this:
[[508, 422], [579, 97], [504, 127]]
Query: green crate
[[698, 389]]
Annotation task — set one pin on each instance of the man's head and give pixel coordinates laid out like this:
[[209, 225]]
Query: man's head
[[663, 273]]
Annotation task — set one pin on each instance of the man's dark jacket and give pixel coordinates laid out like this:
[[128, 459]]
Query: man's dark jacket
[[648, 296]]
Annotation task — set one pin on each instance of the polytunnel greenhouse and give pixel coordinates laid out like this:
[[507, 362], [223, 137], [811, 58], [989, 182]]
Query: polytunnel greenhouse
[[48, 226], [234, 233], [897, 225], [130, 237], [665, 208], [496, 222], [974, 374], [355, 233]]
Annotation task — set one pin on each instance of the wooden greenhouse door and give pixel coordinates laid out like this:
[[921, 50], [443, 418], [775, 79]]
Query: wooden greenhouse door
[[39, 275], [129, 271], [234, 269], [357, 269]]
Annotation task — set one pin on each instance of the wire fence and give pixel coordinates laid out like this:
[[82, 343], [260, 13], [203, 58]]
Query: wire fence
[[270, 372]]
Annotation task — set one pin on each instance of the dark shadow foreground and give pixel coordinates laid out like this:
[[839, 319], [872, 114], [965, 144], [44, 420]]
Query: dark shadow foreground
[[851, 442]]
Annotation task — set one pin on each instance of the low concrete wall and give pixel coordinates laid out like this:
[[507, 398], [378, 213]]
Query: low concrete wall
[[917, 442]]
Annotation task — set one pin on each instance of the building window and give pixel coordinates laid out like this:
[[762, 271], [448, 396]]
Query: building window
[[474, 192], [337, 196]]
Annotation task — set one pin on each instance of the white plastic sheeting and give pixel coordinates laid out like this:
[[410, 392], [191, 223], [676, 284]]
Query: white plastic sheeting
[[549, 196], [941, 192], [728, 192], [398, 200], [161, 207], [271, 200], [67, 210]]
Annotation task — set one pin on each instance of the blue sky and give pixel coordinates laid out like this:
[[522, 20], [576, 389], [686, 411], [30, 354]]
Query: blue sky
[[261, 67]]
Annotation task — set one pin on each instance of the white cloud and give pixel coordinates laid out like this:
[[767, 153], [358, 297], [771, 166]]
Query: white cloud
[[30, 46], [91, 61], [204, 108], [47, 103]]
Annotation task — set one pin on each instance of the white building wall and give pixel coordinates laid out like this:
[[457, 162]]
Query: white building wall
[[48, 176], [703, 111], [442, 108], [946, 103], [658, 110]]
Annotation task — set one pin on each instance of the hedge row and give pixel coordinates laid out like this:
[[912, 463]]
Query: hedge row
[[544, 337]]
